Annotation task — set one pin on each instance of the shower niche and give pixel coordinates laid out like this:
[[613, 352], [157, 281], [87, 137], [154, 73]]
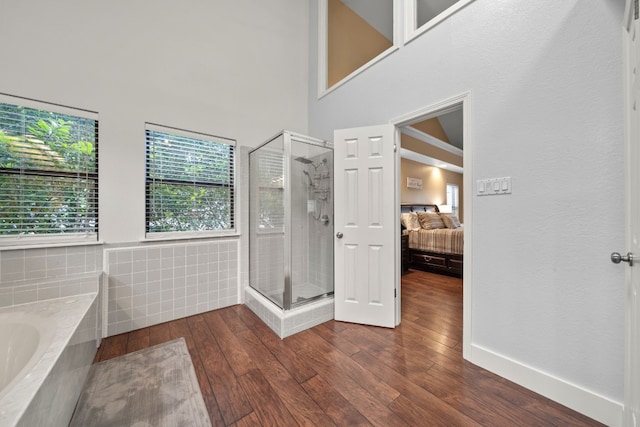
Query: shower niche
[[291, 232]]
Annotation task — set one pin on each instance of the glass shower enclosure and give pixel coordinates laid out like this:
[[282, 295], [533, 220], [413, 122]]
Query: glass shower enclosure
[[291, 219]]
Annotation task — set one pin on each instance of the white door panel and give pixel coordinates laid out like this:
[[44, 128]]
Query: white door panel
[[631, 68], [365, 217]]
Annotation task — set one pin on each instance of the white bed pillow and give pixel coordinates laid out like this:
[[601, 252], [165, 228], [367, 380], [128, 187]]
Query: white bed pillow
[[430, 220], [410, 221], [450, 220]]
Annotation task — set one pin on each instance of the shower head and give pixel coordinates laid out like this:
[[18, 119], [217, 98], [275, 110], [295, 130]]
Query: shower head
[[303, 160]]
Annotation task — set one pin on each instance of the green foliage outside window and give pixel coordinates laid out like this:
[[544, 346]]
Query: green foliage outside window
[[189, 183], [48, 172]]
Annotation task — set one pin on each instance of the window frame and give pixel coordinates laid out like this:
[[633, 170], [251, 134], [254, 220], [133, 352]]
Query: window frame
[[9, 242], [412, 31], [181, 235], [323, 48], [453, 193]]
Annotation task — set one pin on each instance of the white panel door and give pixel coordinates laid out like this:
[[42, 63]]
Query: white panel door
[[365, 225], [631, 66]]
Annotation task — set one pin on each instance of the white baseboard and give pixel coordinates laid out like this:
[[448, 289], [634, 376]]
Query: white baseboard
[[572, 396]]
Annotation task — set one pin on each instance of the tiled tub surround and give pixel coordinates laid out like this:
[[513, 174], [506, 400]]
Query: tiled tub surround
[[26, 291], [48, 392], [154, 284], [42, 264], [289, 322]]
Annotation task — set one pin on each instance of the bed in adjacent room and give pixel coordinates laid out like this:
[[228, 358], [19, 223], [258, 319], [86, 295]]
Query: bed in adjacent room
[[435, 240]]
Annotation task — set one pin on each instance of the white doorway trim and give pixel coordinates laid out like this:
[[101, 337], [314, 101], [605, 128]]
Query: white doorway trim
[[441, 107]]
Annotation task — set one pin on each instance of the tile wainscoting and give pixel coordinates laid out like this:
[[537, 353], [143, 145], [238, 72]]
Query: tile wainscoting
[[154, 284], [29, 275]]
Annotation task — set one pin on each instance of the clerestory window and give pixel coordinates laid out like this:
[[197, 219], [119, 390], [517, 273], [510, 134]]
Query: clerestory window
[[421, 15], [353, 35]]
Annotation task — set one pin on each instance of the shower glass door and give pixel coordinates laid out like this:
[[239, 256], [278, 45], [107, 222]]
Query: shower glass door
[[266, 225], [311, 218], [291, 219]]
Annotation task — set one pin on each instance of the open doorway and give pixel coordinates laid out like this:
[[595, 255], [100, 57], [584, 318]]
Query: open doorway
[[434, 175]]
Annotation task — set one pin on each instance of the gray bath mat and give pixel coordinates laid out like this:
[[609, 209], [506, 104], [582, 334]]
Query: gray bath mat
[[156, 386]]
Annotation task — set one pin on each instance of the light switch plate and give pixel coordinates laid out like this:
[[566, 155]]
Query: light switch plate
[[493, 186]]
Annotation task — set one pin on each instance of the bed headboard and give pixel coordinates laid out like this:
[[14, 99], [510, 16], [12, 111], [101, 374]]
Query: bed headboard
[[416, 207]]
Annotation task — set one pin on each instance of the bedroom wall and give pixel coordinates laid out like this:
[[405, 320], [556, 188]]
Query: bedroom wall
[[434, 184], [547, 304], [234, 69]]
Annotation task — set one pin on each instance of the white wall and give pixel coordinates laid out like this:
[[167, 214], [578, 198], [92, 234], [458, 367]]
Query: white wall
[[546, 110], [235, 69]]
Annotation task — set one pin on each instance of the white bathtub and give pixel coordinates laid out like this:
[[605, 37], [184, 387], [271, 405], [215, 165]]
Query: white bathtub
[[46, 349], [23, 341]]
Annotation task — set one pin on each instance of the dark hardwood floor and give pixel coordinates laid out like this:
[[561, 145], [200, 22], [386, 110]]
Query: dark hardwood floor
[[346, 374]]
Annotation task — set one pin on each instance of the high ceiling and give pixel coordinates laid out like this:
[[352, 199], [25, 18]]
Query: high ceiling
[[452, 125]]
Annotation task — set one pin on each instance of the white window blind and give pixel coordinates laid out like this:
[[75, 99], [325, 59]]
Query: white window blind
[[271, 190], [48, 174], [190, 182]]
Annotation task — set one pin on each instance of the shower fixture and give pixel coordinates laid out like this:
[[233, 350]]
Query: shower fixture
[[306, 161], [319, 187], [303, 160], [311, 184]]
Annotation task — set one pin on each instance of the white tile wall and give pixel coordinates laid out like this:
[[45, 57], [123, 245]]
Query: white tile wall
[[155, 284], [36, 264], [26, 291]]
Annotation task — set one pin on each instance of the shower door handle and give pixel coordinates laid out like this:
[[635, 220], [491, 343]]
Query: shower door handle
[[339, 235]]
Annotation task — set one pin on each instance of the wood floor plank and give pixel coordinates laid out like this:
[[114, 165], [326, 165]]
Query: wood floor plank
[[271, 411], [332, 337], [114, 346], [440, 411], [307, 411], [159, 334], [286, 354], [367, 403], [250, 420], [138, 340], [330, 359], [235, 355], [417, 415], [339, 409], [232, 400], [345, 374]]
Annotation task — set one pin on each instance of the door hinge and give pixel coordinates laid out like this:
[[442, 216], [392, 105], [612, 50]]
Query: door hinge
[[395, 148], [636, 11], [395, 293]]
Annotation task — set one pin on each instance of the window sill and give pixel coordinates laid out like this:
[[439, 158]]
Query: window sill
[[234, 234], [49, 245]]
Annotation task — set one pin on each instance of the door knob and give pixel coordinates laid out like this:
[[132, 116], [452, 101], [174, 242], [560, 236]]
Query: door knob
[[339, 235], [616, 258]]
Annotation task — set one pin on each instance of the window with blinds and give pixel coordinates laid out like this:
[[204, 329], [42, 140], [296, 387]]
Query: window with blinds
[[48, 173], [189, 184]]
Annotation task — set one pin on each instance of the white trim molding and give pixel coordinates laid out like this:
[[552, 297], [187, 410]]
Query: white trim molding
[[442, 107], [432, 140], [411, 31], [570, 395]]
